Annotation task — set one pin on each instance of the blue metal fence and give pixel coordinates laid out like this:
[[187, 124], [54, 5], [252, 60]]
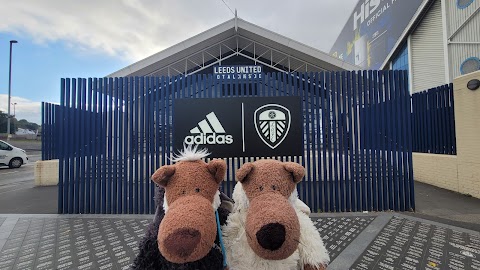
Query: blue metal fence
[[434, 121], [49, 131], [113, 133]]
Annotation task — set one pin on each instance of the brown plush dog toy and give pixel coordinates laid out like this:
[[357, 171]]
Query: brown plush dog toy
[[184, 232], [268, 229]]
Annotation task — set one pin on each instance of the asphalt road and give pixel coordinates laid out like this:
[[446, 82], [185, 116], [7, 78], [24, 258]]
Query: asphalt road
[[18, 193]]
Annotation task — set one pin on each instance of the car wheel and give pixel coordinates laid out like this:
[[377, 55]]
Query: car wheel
[[15, 163]]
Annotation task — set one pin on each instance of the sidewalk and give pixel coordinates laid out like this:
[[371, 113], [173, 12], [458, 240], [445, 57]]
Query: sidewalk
[[355, 241], [444, 233]]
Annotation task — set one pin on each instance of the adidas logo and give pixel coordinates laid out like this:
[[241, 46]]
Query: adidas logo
[[208, 131]]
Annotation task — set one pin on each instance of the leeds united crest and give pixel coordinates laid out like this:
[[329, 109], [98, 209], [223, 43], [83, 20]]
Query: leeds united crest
[[272, 122]]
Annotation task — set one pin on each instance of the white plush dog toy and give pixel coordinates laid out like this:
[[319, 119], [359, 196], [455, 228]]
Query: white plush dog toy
[[268, 228]]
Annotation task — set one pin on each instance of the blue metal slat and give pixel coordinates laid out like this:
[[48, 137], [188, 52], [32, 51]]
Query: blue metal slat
[[409, 153], [147, 174], [428, 137], [82, 133], [132, 100], [425, 123], [452, 119], [44, 132], [349, 169], [377, 202], [308, 131], [335, 80], [441, 128], [95, 148], [47, 125], [152, 139], [405, 97], [382, 139], [121, 146], [389, 118], [395, 149], [74, 149], [342, 130], [446, 123], [417, 112], [448, 132], [362, 127], [109, 155], [328, 100], [415, 133], [102, 199], [127, 153], [317, 187], [89, 143], [440, 120], [114, 139], [367, 139], [436, 137], [433, 121], [141, 153], [68, 197], [301, 91], [400, 140], [162, 122], [380, 142], [61, 155], [356, 81], [370, 140]]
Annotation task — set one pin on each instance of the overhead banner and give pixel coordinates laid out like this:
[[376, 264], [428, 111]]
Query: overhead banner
[[240, 127], [372, 30]]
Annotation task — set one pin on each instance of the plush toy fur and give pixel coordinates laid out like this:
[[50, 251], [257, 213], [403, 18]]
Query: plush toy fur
[[268, 229], [183, 234]]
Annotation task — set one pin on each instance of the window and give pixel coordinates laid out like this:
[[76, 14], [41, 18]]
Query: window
[[4, 146], [462, 4], [470, 65], [400, 62]]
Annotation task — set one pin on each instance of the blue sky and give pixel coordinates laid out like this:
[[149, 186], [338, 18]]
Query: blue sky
[[38, 68], [70, 39]]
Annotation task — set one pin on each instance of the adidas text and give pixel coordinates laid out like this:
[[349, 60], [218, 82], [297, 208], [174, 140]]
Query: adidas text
[[209, 139]]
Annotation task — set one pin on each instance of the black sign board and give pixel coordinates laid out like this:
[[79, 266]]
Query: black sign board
[[240, 127]]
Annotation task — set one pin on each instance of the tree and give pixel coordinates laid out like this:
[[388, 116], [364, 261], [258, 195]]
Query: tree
[[27, 125], [4, 121]]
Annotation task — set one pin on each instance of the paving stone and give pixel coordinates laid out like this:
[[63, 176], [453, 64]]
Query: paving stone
[[61, 243], [411, 244], [338, 232]]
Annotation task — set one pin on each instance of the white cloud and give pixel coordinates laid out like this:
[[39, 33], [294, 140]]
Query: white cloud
[[136, 29], [24, 109]]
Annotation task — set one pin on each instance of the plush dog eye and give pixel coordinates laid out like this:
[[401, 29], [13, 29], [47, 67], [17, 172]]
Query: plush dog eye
[[197, 190], [261, 188]]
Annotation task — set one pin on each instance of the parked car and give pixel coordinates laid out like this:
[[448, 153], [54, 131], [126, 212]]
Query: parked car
[[12, 156]]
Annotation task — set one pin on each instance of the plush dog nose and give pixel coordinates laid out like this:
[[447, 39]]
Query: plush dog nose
[[271, 236], [182, 242]]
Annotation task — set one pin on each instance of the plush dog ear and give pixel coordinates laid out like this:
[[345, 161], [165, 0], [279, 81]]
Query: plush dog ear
[[163, 174], [218, 168], [297, 171], [242, 173]]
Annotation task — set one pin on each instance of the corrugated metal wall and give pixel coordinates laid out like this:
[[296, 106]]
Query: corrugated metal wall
[[428, 65], [462, 44]]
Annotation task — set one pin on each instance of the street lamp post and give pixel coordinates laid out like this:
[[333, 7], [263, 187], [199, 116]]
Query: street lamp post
[[9, 89], [14, 104]]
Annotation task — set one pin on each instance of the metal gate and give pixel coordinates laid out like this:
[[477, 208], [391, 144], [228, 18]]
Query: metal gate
[[111, 134]]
